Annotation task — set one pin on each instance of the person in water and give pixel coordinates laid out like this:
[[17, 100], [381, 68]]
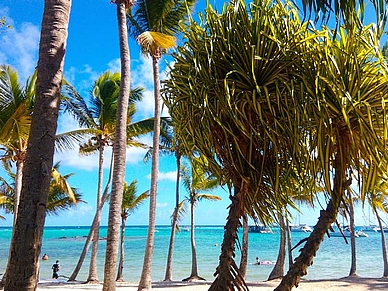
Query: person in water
[[56, 268], [45, 257], [257, 261]]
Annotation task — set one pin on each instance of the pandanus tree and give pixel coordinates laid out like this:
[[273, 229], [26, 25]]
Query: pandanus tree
[[257, 73], [377, 198], [154, 24], [228, 92], [346, 103], [23, 263]]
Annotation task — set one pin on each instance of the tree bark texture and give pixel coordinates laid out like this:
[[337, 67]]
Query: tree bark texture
[[278, 269], [244, 247], [168, 276], [145, 279], [23, 263], [229, 277], [93, 275], [119, 158]]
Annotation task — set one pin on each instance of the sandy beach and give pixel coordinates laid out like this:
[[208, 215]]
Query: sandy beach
[[354, 283]]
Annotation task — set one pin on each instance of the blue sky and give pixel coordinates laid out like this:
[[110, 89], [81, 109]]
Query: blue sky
[[92, 48]]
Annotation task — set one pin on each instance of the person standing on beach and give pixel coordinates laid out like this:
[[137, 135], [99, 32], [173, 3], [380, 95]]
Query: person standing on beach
[[56, 269]]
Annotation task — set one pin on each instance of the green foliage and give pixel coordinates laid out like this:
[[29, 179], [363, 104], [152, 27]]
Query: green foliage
[[61, 196], [275, 104]]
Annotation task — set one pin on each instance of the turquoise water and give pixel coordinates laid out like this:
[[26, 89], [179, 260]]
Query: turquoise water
[[66, 243]]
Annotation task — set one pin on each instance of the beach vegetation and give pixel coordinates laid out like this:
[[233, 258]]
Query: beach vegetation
[[196, 180], [263, 101], [154, 25], [22, 271], [378, 201], [16, 109], [62, 195], [131, 201], [119, 149]]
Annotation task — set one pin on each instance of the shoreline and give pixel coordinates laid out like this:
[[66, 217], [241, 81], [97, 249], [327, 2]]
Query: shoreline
[[340, 284]]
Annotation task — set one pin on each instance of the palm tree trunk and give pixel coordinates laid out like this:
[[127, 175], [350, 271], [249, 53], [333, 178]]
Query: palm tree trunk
[[289, 244], [308, 252], [383, 243], [119, 150], [18, 188], [228, 274], [278, 269], [353, 267], [93, 227], [145, 279], [120, 267], [244, 247], [93, 275], [168, 276], [23, 263], [326, 219]]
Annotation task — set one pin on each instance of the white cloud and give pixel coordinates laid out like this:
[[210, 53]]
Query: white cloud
[[115, 65], [169, 176], [162, 205], [20, 47]]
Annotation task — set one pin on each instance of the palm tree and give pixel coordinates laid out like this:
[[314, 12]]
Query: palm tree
[[119, 150], [154, 24], [130, 203], [196, 181], [16, 109], [61, 196], [100, 120], [23, 262]]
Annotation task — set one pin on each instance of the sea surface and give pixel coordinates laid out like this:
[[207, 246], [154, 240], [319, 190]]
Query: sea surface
[[65, 244]]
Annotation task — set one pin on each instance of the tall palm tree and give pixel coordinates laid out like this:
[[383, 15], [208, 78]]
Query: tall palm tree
[[23, 263], [17, 105], [131, 202], [154, 24], [119, 150], [196, 181], [16, 109], [99, 117]]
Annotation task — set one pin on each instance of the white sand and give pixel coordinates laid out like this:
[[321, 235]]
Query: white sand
[[354, 284]]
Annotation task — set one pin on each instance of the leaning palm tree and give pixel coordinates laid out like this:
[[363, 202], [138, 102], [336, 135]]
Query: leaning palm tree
[[23, 262], [131, 202], [196, 181], [154, 24]]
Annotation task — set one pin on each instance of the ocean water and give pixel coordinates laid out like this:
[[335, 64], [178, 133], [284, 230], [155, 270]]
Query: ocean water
[[66, 243]]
